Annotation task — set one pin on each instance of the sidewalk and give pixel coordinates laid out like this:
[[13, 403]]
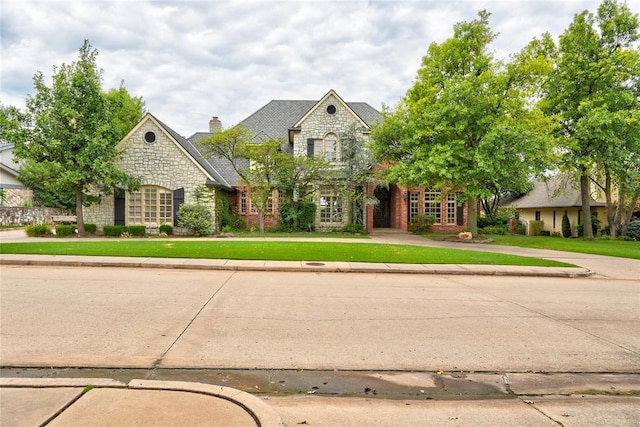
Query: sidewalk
[[104, 402]]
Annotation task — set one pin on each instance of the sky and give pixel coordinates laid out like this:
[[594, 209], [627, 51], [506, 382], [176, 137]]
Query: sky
[[191, 60]]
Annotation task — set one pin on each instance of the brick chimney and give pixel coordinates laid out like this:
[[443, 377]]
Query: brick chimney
[[214, 124]]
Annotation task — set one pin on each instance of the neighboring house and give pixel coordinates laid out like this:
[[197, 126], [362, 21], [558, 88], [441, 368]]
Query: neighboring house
[[13, 193], [549, 200], [172, 171]]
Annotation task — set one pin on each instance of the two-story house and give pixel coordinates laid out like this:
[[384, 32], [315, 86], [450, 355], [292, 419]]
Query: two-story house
[[172, 170]]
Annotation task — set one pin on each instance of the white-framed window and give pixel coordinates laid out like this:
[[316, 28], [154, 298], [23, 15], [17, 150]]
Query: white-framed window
[[327, 148], [414, 205], [330, 206], [433, 204], [452, 208], [150, 206]]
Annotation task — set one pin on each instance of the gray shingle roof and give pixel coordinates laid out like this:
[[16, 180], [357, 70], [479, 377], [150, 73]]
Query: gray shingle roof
[[553, 193], [222, 166], [274, 120], [193, 151]]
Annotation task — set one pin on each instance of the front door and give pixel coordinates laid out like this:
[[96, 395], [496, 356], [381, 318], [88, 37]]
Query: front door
[[382, 212]]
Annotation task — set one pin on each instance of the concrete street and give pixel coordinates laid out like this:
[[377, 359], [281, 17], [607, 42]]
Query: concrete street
[[319, 348], [192, 319]]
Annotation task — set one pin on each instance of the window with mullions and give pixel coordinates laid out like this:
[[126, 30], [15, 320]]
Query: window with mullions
[[330, 206], [150, 206], [414, 205], [452, 204], [326, 148], [433, 204]]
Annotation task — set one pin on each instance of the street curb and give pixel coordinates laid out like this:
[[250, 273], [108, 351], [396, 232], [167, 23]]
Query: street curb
[[263, 414], [295, 266]]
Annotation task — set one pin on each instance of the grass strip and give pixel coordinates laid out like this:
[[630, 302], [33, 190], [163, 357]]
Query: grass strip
[[279, 251], [615, 248]]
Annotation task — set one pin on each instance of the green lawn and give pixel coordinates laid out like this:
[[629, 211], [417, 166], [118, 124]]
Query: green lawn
[[617, 248], [278, 250]]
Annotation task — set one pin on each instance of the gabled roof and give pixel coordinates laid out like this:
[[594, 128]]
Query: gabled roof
[[552, 193], [277, 117], [8, 169], [188, 147], [222, 166], [328, 94]]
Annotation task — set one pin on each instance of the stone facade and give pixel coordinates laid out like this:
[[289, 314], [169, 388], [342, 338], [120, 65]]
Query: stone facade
[[26, 216], [16, 197], [329, 116], [161, 163]]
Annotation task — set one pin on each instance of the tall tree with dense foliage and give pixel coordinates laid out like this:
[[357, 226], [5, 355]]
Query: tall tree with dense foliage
[[126, 111], [68, 140], [469, 122], [594, 90]]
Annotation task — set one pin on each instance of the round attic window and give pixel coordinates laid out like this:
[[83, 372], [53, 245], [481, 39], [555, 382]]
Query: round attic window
[[331, 109], [149, 137]]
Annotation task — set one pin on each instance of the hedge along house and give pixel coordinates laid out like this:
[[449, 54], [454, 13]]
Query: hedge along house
[[171, 172]]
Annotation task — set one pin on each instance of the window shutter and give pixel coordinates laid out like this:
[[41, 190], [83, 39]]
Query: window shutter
[[310, 147], [178, 199], [460, 214], [119, 207]]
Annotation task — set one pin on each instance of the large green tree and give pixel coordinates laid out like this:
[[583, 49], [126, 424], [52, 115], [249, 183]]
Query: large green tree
[[594, 90], [126, 111], [69, 137], [469, 122]]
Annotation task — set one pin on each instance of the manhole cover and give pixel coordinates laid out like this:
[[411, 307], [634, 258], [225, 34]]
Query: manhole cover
[[315, 264]]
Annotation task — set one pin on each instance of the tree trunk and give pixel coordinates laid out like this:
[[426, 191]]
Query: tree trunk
[[585, 193], [79, 217], [627, 218], [611, 210], [261, 220], [472, 215]]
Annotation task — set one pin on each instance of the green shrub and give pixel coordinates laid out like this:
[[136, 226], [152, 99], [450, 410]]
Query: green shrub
[[633, 230], [197, 218], [63, 230], [595, 225], [494, 229], [353, 228], [546, 233], [297, 216], [566, 225], [90, 228], [421, 223], [556, 234], [166, 229], [114, 230], [38, 230], [137, 230], [535, 227]]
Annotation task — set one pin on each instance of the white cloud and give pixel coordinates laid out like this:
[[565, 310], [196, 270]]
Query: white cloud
[[191, 60]]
